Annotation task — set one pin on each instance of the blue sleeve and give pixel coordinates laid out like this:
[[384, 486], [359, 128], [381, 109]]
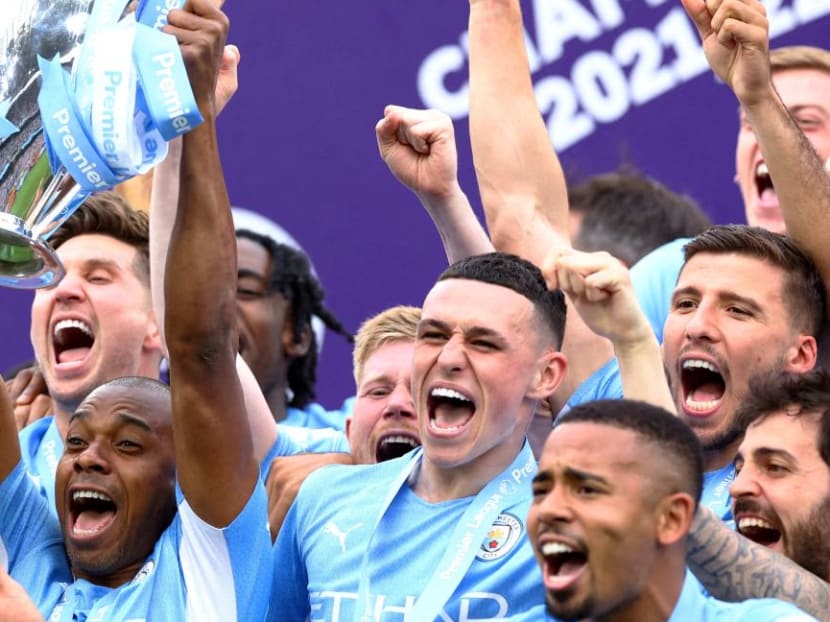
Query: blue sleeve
[[31, 539], [289, 594], [654, 278], [603, 384], [283, 446]]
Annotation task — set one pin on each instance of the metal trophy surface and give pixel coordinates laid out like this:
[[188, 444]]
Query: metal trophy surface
[[33, 200]]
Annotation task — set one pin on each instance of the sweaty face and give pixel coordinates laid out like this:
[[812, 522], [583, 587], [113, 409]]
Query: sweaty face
[[97, 323], [383, 423], [728, 323], [476, 373], [591, 523], [114, 485], [261, 315], [806, 93], [781, 495]]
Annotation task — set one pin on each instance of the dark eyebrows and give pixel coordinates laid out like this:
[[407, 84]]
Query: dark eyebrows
[[472, 332], [583, 476], [684, 291], [245, 273], [724, 296], [124, 419], [762, 453]]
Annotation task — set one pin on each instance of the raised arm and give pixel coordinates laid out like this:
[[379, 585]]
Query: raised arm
[[418, 146], [735, 36], [521, 182], [163, 208], [734, 568], [600, 288], [215, 462]]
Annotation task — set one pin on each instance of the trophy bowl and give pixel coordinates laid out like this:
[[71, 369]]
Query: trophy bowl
[[34, 201]]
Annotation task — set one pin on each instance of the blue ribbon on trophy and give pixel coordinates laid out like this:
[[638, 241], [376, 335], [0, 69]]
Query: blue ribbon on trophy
[[107, 120]]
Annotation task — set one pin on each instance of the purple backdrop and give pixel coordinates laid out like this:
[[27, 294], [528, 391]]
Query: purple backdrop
[[616, 80]]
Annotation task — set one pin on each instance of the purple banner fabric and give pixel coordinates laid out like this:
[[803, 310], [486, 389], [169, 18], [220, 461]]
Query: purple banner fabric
[[618, 81]]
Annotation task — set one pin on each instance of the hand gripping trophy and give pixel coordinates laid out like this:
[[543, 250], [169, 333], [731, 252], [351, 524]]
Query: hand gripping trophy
[[90, 93]]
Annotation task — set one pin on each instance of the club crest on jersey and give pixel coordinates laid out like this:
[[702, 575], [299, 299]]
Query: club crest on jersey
[[146, 571], [501, 537]]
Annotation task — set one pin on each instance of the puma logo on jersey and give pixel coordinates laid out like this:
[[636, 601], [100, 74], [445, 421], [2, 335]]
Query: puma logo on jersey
[[332, 529]]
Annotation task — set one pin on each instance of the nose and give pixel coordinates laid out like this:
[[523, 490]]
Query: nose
[[702, 324], [92, 458], [452, 357], [745, 484], [400, 402], [555, 506], [70, 287]]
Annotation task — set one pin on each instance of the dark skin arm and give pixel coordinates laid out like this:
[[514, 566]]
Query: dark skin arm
[[214, 453], [9, 445]]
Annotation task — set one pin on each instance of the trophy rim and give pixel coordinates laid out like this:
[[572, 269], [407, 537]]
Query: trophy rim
[[49, 273]]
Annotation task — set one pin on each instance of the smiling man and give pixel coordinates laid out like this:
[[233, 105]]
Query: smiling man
[[784, 457], [157, 489], [95, 324], [748, 302], [439, 530], [617, 487]]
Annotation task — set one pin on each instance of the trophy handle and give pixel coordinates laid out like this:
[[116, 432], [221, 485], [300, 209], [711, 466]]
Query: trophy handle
[[26, 262]]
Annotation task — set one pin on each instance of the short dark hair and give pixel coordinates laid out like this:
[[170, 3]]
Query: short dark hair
[[108, 213], [794, 394], [291, 276], [629, 214], [522, 277], [803, 293], [654, 425]]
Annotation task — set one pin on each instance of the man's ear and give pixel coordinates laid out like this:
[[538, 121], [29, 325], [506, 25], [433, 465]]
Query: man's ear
[[549, 374], [292, 348], [674, 517]]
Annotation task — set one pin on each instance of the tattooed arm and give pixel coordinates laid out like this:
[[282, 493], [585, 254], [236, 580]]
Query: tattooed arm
[[734, 568]]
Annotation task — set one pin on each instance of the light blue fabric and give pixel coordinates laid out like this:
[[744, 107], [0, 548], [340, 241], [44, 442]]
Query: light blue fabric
[[160, 590], [603, 384], [716, 493], [320, 547], [654, 278], [315, 416], [41, 447]]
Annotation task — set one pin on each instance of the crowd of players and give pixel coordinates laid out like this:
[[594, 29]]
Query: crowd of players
[[549, 436]]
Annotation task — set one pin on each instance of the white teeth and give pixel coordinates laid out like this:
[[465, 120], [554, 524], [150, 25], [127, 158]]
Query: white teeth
[[555, 548], [63, 324], [754, 522], [700, 406], [451, 428], [399, 439], [699, 364], [90, 494], [450, 393], [762, 170]]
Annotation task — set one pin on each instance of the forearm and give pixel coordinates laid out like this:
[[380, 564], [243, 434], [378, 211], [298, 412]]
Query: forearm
[[801, 182], [521, 182], [461, 233], [164, 203], [734, 568], [9, 443], [641, 370]]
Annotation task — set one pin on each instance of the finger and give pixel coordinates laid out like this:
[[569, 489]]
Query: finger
[[749, 35], [40, 408], [700, 15], [748, 13]]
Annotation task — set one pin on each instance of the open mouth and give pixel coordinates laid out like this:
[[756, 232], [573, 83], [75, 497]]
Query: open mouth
[[72, 340], [395, 445], [449, 410], [758, 530], [563, 566], [764, 186], [703, 386], [91, 513]]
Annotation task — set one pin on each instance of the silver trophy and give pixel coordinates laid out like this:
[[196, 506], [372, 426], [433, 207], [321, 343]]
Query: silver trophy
[[33, 200]]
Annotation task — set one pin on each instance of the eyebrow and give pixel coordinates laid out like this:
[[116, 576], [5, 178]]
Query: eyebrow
[[769, 452], [724, 296], [571, 474], [248, 273], [108, 264], [124, 418], [472, 331]]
